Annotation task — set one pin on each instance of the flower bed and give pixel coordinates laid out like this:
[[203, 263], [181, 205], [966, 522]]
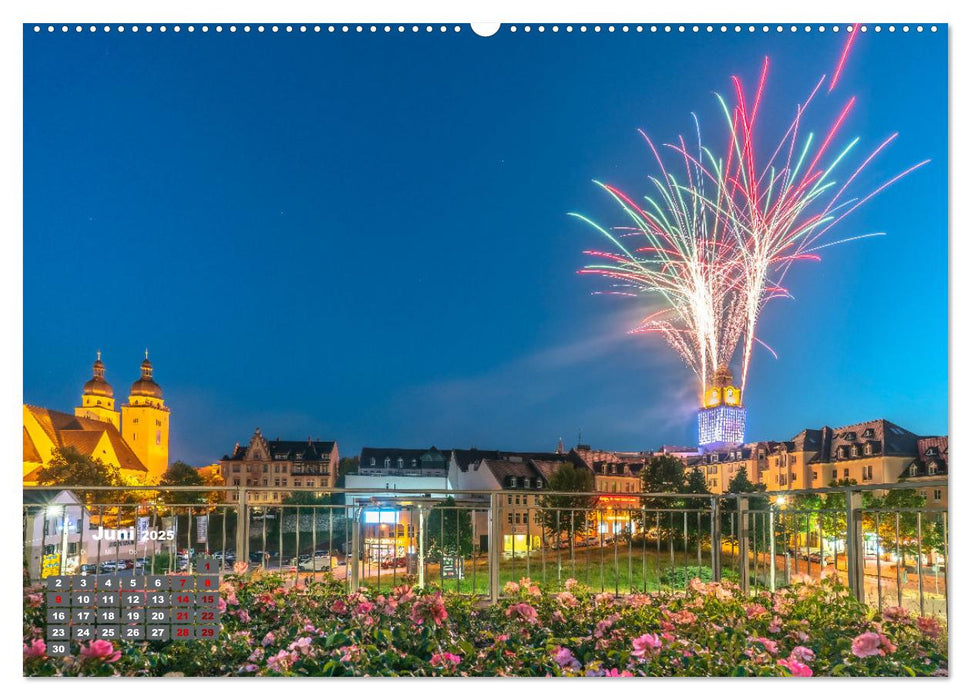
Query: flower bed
[[811, 629]]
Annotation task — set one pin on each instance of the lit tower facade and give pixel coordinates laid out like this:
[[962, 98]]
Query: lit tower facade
[[721, 419], [145, 423], [98, 398]]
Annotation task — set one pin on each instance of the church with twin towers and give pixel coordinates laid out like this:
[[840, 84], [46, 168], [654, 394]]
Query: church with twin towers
[[133, 436]]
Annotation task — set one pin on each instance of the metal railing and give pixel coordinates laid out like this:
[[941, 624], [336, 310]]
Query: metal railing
[[475, 542]]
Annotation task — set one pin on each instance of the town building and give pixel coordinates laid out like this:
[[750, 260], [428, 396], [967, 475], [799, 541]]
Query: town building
[[134, 439], [930, 464], [389, 517], [280, 464]]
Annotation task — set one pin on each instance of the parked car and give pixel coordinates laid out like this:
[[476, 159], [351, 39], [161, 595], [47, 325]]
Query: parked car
[[316, 563]]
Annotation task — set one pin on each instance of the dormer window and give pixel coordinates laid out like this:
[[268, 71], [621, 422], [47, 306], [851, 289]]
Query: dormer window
[[526, 482], [401, 463], [387, 463], [930, 452], [868, 449], [374, 462], [539, 483], [913, 470], [868, 433], [512, 481], [414, 463], [932, 469], [856, 450]]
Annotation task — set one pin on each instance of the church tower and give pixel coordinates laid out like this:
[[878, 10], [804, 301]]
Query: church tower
[[145, 423], [98, 398]]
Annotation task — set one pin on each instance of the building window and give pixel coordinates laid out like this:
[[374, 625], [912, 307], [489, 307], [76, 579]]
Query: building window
[[526, 482], [846, 473], [512, 481], [518, 521], [401, 463], [373, 462], [834, 475], [937, 494], [508, 500], [932, 469], [815, 476], [539, 483], [387, 463], [509, 516], [517, 499], [913, 470]]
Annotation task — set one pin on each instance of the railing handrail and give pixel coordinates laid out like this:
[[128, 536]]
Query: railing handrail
[[488, 492]]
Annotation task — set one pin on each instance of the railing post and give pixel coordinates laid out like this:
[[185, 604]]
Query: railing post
[[772, 547], [854, 543], [743, 544], [242, 524], [355, 559], [495, 539], [716, 540], [421, 546]]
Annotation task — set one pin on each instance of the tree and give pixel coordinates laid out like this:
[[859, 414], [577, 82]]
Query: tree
[[698, 523], [69, 467], [568, 514], [448, 530], [181, 474], [695, 482], [663, 474], [307, 498]]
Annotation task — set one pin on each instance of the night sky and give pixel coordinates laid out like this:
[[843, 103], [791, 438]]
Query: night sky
[[365, 237]]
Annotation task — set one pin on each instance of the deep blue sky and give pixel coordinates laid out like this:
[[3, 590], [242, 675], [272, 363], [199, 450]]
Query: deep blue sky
[[364, 237]]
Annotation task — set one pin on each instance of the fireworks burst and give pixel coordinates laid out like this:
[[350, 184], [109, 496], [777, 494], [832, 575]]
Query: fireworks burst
[[717, 235]]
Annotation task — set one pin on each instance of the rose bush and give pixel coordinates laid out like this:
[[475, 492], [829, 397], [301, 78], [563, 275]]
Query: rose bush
[[270, 628]]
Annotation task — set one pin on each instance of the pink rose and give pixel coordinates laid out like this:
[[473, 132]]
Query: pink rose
[[36, 650], [929, 626], [867, 644], [796, 668], [523, 611], [565, 658], [100, 650], [614, 673], [646, 645], [570, 584], [445, 659], [803, 654], [240, 567], [268, 639]]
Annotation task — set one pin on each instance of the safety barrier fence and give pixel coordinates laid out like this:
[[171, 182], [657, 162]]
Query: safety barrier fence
[[475, 542]]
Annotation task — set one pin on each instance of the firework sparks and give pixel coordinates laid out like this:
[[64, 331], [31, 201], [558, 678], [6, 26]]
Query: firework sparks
[[717, 235]]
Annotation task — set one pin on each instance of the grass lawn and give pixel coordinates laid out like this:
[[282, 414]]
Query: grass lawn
[[620, 569]]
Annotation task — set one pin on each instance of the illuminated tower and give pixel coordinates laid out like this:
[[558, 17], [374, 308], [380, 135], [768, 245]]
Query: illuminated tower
[[721, 420], [145, 423], [97, 397]]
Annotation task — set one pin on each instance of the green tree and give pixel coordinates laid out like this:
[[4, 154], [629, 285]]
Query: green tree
[[181, 474], [448, 530], [698, 523], [68, 467], [307, 498], [695, 482], [568, 514], [663, 474]]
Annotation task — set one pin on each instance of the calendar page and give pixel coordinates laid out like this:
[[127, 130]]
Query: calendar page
[[520, 349]]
